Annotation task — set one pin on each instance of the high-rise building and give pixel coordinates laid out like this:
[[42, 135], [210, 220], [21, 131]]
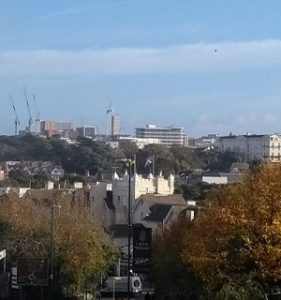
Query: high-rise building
[[115, 125], [167, 136], [86, 131]]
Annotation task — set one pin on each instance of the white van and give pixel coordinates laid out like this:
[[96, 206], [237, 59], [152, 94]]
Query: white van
[[118, 286]]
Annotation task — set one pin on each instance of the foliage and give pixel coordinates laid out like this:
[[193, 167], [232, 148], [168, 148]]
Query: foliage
[[88, 155], [235, 243], [173, 279], [21, 177], [196, 190], [82, 249]]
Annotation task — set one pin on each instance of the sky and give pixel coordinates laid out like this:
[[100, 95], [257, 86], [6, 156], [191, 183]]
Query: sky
[[210, 66]]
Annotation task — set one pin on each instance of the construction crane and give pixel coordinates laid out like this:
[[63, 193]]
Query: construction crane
[[37, 114], [30, 121], [109, 110], [17, 120]]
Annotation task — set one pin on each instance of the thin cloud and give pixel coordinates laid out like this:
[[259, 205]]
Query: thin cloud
[[97, 5], [67, 11], [118, 61]]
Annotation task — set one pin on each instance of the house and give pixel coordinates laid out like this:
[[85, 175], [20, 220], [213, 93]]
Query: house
[[112, 208], [139, 186], [156, 211], [35, 168]]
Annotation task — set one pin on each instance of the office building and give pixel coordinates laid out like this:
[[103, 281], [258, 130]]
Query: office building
[[115, 125], [167, 136], [86, 131]]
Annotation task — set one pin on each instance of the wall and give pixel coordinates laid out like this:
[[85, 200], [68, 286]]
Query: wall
[[215, 179]]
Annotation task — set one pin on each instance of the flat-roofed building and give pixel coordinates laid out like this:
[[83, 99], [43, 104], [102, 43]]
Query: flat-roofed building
[[86, 131], [115, 125], [51, 128], [167, 136], [252, 147]]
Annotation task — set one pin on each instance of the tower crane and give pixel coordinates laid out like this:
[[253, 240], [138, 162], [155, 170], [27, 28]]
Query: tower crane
[[30, 121], [17, 120], [37, 114], [109, 110]]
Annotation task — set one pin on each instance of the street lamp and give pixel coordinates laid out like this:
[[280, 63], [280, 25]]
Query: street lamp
[[52, 250], [128, 163], [114, 279]]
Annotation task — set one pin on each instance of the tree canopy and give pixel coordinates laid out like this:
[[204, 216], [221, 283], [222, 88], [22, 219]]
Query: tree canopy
[[235, 243], [89, 155], [82, 249]]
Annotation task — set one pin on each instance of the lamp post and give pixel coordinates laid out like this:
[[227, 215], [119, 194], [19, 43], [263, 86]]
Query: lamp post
[[114, 279], [128, 163], [52, 251]]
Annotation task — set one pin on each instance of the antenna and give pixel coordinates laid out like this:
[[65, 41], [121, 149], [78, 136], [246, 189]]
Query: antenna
[[17, 121], [30, 121]]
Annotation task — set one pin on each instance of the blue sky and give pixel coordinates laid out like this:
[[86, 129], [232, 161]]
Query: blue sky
[[211, 66]]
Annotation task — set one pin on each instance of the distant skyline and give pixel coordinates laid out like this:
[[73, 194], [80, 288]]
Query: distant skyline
[[211, 66]]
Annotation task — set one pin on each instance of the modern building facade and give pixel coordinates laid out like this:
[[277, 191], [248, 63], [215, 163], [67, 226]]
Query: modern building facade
[[86, 131], [252, 147], [115, 125], [167, 136]]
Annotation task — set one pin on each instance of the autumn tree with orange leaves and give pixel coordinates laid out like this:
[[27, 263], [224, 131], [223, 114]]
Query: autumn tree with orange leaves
[[82, 249], [235, 244]]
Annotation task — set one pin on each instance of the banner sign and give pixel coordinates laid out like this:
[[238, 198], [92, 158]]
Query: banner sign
[[32, 271], [142, 240]]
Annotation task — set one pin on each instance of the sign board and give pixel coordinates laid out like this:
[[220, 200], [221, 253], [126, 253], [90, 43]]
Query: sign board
[[142, 240], [32, 271], [2, 254]]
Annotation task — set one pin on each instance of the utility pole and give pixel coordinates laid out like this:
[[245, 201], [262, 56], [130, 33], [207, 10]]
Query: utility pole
[[128, 163], [129, 231]]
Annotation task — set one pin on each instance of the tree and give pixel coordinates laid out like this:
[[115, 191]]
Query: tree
[[172, 278], [21, 177], [82, 249], [235, 243], [196, 190]]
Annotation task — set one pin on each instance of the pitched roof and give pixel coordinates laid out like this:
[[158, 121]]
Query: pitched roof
[[175, 200], [158, 212]]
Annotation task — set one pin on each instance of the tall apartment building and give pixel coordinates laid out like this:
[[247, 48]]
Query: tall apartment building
[[167, 136], [115, 125], [252, 147], [86, 131]]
